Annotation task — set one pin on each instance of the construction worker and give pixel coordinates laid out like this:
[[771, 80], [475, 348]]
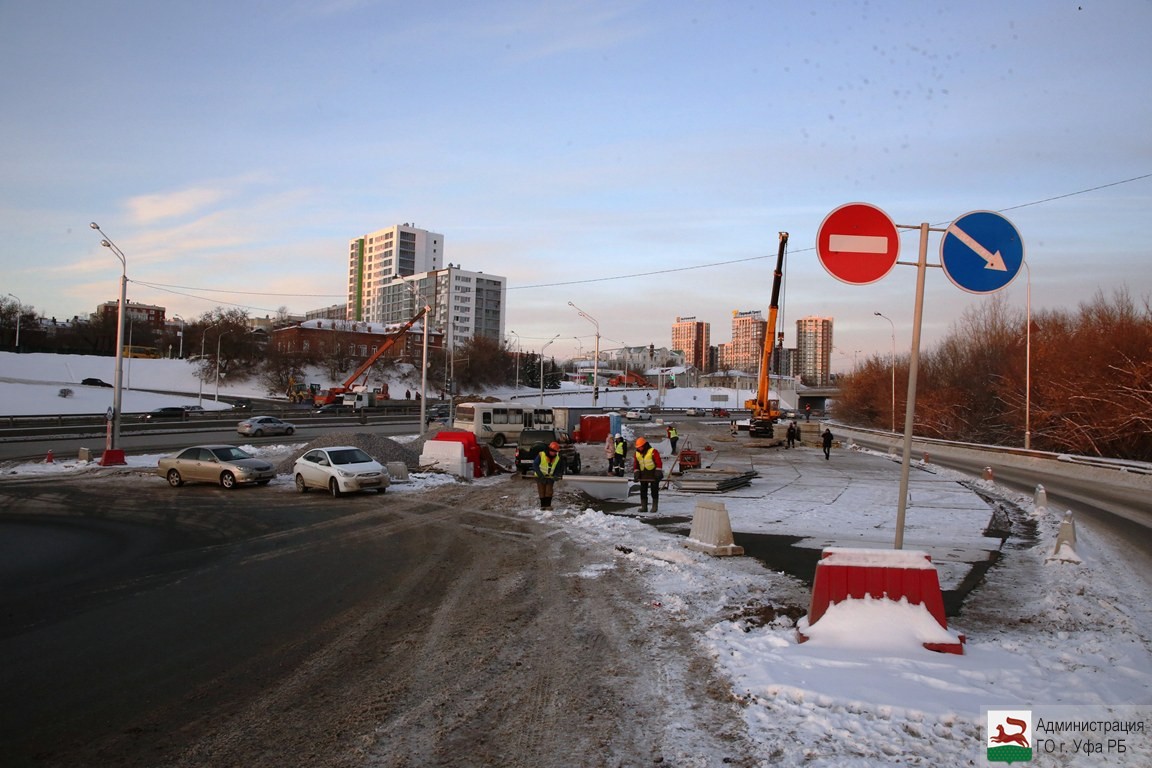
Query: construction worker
[[648, 470], [673, 436], [619, 449], [548, 467]]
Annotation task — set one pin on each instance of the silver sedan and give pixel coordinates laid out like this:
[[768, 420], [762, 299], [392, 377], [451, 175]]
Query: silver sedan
[[265, 425], [224, 464]]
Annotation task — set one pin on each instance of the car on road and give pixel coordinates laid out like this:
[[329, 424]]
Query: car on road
[[437, 412], [167, 413], [720, 412], [694, 412], [95, 383], [532, 441], [638, 414], [334, 409], [258, 426], [224, 464], [339, 470]]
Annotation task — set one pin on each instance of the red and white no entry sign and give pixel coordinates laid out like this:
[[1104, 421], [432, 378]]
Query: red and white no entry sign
[[858, 243]]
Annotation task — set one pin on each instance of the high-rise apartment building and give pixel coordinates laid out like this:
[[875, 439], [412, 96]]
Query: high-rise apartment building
[[377, 258], [743, 353], [382, 265], [814, 350], [691, 337], [464, 304]]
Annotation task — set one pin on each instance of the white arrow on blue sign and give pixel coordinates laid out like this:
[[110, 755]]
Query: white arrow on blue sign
[[981, 252]]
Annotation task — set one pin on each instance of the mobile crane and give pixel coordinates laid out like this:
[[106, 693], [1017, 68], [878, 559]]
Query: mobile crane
[[336, 394], [765, 411]]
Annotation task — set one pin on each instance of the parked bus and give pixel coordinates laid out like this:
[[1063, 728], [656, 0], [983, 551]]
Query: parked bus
[[139, 351], [500, 423]]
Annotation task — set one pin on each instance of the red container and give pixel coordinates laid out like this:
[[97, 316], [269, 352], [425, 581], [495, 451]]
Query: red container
[[595, 429]]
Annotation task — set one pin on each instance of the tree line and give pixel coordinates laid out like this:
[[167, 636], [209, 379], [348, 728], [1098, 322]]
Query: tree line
[[1080, 382]]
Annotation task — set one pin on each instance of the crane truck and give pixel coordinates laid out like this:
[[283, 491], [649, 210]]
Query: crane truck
[[766, 411], [336, 394]]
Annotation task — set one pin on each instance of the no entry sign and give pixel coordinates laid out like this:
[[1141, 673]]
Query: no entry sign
[[858, 243]]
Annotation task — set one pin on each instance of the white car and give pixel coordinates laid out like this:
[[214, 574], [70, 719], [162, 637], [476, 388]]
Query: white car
[[638, 414], [340, 469], [258, 426]]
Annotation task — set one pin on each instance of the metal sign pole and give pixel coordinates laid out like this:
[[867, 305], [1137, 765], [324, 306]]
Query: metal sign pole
[[913, 369]]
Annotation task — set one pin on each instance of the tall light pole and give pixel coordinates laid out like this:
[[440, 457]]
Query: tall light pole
[[893, 367], [219, 336], [200, 376], [19, 311], [542, 366], [517, 359], [1028, 359], [424, 362], [596, 361], [180, 354], [113, 453]]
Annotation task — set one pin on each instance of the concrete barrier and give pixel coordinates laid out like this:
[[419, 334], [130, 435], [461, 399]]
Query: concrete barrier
[[712, 530], [1065, 549]]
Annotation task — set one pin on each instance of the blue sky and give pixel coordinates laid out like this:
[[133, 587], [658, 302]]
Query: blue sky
[[635, 158]]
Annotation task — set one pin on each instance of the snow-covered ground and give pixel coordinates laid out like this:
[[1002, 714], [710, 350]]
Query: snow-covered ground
[[1067, 640]]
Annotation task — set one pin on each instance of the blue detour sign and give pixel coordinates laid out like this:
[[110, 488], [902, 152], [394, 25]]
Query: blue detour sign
[[981, 252]]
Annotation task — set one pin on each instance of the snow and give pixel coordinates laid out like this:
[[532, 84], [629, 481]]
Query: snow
[[1044, 632]]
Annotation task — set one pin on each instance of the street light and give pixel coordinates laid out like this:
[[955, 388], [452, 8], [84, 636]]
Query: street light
[[219, 336], [200, 376], [893, 368], [596, 361], [180, 354], [113, 454], [424, 362], [19, 311], [517, 358], [542, 366]]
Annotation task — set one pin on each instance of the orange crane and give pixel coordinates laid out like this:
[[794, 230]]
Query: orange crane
[[336, 394], [765, 411]]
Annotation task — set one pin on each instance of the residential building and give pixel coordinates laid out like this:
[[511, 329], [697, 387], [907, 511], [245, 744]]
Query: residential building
[[814, 350], [138, 314], [747, 345], [690, 337], [464, 304], [319, 338], [379, 257]]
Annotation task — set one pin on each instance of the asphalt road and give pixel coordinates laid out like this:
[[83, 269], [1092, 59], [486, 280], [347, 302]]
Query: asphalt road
[[142, 625]]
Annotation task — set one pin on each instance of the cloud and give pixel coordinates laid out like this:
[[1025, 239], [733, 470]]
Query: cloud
[[146, 209]]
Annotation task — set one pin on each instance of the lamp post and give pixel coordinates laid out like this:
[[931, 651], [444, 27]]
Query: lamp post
[[893, 367], [180, 354], [516, 386], [542, 366], [424, 361], [596, 361], [19, 311], [113, 454], [200, 376], [1028, 358], [218, 337]]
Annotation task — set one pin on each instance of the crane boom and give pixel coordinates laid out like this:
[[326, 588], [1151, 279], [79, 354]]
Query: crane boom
[[765, 411], [333, 394]]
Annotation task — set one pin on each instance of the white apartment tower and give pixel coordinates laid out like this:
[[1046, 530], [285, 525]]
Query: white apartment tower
[[375, 259], [814, 350]]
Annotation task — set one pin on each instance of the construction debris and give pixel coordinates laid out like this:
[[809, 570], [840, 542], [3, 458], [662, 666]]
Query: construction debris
[[714, 480]]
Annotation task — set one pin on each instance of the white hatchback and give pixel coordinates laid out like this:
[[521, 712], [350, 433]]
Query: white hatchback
[[340, 469]]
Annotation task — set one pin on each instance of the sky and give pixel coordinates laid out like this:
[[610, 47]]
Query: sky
[[637, 159], [1066, 638]]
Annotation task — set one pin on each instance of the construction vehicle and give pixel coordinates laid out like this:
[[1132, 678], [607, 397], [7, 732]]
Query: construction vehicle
[[350, 385], [300, 392], [628, 379], [765, 411]]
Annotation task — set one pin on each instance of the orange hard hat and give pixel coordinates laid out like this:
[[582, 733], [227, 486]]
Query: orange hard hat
[[553, 446], [641, 442]]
